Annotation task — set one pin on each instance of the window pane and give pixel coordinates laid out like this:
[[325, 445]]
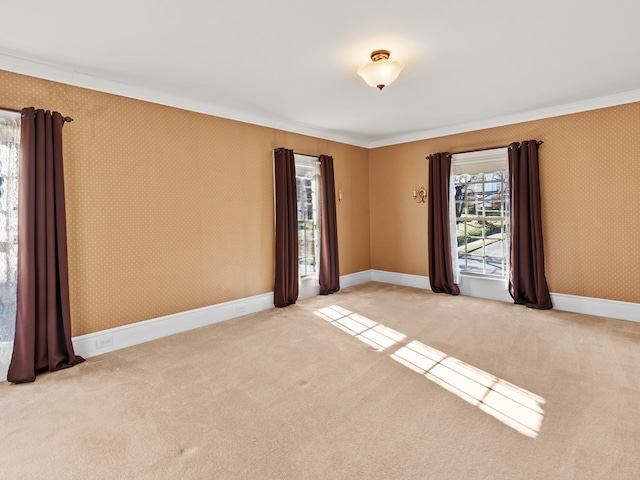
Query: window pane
[[307, 175], [9, 150], [482, 210]]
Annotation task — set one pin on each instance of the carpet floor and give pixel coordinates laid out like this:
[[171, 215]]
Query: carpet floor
[[374, 382]]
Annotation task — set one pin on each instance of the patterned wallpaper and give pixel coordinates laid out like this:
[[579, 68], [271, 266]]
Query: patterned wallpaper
[[170, 210], [589, 168]]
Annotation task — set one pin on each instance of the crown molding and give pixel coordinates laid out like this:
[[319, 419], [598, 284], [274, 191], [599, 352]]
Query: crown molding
[[75, 78], [556, 111]]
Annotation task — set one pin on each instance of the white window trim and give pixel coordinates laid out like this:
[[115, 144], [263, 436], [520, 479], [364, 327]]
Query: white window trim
[[6, 347], [309, 283], [472, 163]]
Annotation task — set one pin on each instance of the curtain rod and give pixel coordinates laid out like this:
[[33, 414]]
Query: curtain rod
[[484, 149], [299, 153], [64, 119], [11, 110], [480, 149]]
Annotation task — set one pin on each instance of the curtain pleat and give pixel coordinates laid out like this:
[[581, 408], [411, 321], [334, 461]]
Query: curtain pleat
[[329, 267], [440, 265], [285, 291], [43, 321], [528, 284]]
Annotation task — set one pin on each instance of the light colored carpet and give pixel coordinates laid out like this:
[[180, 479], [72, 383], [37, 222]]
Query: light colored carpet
[[284, 394]]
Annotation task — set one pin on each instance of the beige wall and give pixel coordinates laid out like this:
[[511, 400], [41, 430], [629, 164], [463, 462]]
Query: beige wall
[[170, 210], [590, 180]]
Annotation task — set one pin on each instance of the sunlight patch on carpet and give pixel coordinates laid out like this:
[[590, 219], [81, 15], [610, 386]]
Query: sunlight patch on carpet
[[364, 329], [508, 403], [512, 405]]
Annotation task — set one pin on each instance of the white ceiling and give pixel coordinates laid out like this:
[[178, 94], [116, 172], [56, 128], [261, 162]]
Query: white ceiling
[[292, 64]]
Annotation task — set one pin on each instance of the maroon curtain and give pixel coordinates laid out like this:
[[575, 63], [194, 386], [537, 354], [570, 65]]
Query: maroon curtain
[[528, 284], [329, 269], [43, 321], [440, 267], [285, 291]]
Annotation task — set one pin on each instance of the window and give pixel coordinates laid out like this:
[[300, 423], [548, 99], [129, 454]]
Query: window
[[9, 151], [481, 183], [308, 196]]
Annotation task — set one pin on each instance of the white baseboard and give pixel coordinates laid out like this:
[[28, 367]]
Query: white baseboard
[[355, 278], [561, 301], [597, 306], [125, 336], [116, 338], [121, 337], [404, 279]]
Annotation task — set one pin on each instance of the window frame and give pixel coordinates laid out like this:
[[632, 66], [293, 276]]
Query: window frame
[[308, 167], [9, 248], [485, 162]]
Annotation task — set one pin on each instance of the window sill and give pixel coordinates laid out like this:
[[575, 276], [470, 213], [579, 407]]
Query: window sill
[[482, 286]]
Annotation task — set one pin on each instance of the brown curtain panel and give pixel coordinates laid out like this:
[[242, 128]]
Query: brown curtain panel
[[528, 284], [329, 268], [440, 267], [285, 291], [43, 321]]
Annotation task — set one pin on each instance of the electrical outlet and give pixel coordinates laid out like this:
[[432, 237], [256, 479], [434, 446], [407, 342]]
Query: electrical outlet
[[241, 308], [104, 341]]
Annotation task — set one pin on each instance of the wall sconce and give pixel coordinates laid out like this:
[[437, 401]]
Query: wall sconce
[[420, 194], [339, 195]]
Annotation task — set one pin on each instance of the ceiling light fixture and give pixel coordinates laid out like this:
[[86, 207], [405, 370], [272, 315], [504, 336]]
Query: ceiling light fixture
[[380, 72]]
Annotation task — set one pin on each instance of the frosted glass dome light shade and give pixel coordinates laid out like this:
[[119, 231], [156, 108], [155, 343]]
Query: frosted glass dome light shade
[[380, 72]]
